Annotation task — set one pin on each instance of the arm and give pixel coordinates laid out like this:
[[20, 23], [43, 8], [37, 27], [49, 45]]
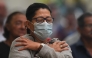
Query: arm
[[48, 52], [14, 53]]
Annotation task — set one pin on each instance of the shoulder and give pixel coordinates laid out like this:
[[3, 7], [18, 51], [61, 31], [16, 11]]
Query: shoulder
[[14, 50], [73, 45], [2, 44], [4, 48], [77, 44], [28, 36], [25, 36]]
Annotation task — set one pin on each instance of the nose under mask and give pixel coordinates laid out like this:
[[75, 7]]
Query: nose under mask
[[43, 30]]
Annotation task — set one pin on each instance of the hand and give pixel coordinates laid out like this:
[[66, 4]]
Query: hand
[[27, 44], [59, 46]]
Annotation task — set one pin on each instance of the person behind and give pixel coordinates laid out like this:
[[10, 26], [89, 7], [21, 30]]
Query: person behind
[[3, 13], [14, 27], [72, 35], [83, 48], [35, 44], [70, 26]]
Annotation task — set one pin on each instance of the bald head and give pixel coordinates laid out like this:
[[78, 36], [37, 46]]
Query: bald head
[[2, 11]]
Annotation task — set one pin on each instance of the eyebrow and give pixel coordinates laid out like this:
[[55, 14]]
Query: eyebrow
[[43, 17], [18, 21]]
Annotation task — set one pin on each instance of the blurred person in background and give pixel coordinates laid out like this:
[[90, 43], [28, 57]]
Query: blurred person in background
[[70, 26], [57, 17], [36, 44], [14, 27], [3, 13], [72, 35], [73, 38], [83, 48], [71, 23]]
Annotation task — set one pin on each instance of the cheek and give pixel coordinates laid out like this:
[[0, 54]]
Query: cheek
[[86, 31], [14, 29]]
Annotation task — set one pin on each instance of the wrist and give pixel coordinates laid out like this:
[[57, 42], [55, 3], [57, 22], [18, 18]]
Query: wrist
[[39, 48], [38, 45]]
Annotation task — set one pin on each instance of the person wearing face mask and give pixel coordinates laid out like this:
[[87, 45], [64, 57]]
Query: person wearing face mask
[[37, 44]]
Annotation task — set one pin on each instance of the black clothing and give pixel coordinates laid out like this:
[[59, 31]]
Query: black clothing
[[4, 50]]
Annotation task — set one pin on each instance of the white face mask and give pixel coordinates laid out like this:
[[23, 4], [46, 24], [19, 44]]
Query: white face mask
[[43, 30]]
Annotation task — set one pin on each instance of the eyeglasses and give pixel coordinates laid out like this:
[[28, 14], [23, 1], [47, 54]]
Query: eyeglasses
[[41, 19]]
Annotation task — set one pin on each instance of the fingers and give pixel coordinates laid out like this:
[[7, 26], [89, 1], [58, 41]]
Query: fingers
[[61, 50], [20, 40], [64, 45], [22, 37], [21, 44], [61, 42], [23, 40], [26, 39], [64, 49], [23, 48], [59, 46], [55, 43]]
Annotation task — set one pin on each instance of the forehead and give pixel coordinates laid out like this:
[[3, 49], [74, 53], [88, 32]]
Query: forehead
[[19, 17], [42, 12], [88, 20]]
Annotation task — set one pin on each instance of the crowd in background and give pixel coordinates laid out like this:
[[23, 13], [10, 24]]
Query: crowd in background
[[65, 14]]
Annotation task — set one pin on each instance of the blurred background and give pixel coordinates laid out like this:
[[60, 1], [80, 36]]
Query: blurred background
[[64, 12]]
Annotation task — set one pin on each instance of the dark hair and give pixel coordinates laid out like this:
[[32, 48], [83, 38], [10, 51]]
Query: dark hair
[[9, 18], [80, 20], [33, 8]]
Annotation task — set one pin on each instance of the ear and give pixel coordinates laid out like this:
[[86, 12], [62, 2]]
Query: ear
[[29, 25]]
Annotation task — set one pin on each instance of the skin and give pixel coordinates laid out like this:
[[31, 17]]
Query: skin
[[40, 13], [3, 13], [86, 31], [16, 27], [17, 23], [71, 21], [2, 10], [86, 34], [28, 44]]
